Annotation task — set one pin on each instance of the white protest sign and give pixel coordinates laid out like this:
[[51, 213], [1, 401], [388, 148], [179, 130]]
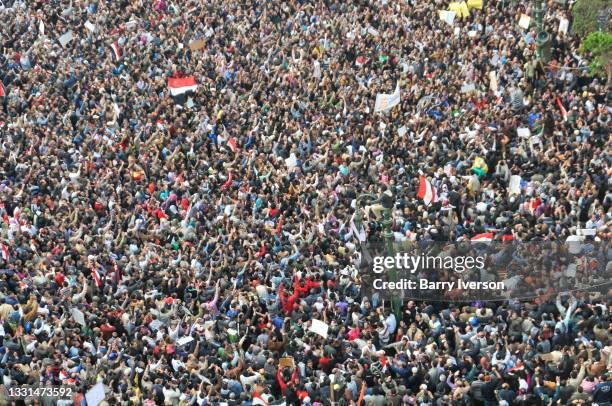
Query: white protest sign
[[155, 325], [291, 162], [448, 16], [387, 101], [524, 21], [319, 327], [402, 131], [90, 26], [317, 69], [65, 39], [523, 132], [468, 87], [493, 81], [563, 25], [78, 316], [373, 32], [95, 395], [514, 187]]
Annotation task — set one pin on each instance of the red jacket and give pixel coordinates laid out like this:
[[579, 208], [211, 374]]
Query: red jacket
[[281, 383]]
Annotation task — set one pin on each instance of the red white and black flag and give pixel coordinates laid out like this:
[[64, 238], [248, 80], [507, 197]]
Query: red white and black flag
[[116, 51], [180, 86], [116, 272], [96, 277]]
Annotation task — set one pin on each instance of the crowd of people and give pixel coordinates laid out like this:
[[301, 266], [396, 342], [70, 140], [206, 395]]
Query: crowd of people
[[203, 247]]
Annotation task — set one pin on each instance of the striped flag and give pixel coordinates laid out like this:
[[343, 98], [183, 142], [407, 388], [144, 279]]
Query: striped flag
[[96, 276], [258, 400], [116, 51], [484, 237], [231, 143], [117, 272], [228, 181], [563, 111], [427, 192], [180, 86], [5, 252]]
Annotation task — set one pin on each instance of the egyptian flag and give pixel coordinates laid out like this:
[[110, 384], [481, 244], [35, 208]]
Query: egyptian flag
[[231, 144], [5, 252], [262, 252], [228, 182], [96, 276], [117, 272], [563, 111], [258, 400], [179, 86], [519, 367], [484, 237], [427, 192], [116, 51]]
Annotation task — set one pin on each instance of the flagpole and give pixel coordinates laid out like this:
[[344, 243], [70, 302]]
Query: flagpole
[[387, 234]]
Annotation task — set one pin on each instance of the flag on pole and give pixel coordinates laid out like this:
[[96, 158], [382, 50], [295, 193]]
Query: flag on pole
[[5, 253], [116, 51], [427, 192], [563, 111], [483, 237], [180, 86]]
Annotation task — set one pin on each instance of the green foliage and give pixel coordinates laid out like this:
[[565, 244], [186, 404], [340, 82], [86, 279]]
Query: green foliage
[[585, 14], [599, 45]]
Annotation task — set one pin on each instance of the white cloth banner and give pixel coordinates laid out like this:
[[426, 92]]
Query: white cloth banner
[[387, 101]]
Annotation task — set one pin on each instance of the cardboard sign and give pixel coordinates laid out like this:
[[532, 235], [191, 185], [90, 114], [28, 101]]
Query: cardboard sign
[[286, 362], [197, 44], [524, 21]]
